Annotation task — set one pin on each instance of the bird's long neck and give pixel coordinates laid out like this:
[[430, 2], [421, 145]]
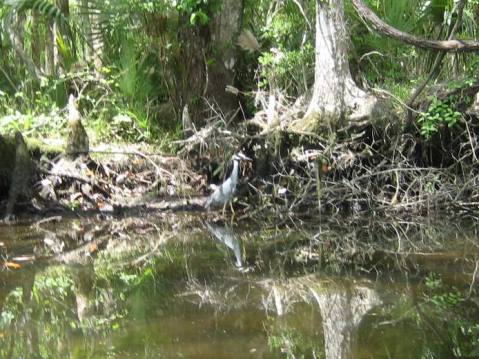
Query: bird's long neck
[[234, 173]]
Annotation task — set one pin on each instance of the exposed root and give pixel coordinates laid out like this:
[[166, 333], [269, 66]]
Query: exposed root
[[369, 167]]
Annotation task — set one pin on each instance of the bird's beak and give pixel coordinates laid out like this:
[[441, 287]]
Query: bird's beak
[[244, 157]]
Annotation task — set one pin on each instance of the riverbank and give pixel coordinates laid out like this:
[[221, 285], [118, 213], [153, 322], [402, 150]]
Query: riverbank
[[292, 175]]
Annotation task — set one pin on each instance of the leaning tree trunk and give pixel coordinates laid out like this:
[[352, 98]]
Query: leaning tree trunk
[[335, 95]]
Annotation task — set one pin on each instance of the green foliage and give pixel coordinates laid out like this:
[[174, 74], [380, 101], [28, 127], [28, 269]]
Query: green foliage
[[65, 50], [439, 114], [402, 90], [292, 338], [291, 70], [53, 288], [139, 39], [288, 64], [51, 13], [435, 294], [441, 321], [472, 67], [117, 107], [141, 58], [39, 114], [11, 308], [136, 87], [456, 317], [438, 9], [200, 10], [388, 59]]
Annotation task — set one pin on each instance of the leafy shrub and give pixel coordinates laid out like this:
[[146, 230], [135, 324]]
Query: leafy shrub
[[439, 114]]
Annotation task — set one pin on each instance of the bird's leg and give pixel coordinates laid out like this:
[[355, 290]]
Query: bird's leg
[[224, 209], [232, 211]]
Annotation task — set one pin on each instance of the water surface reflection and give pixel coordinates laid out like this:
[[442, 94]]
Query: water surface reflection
[[225, 234], [120, 290]]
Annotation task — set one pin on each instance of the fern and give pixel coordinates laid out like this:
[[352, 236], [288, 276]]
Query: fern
[[43, 7]]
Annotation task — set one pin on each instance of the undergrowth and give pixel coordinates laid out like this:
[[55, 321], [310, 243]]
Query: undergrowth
[[107, 112]]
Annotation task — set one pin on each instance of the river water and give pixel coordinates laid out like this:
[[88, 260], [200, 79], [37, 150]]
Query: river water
[[179, 286]]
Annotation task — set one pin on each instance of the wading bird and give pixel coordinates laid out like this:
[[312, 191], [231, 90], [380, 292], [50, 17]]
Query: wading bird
[[224, 193]]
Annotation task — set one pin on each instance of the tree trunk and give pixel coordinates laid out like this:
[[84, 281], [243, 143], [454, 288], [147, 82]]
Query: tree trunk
[[64, 6], [97, 41], [50, 49], [225, 28], [19, 30], [35, 43], [86, 25], [91, 18], [190, 68], [335, 95], [207, 62], [18, 43]]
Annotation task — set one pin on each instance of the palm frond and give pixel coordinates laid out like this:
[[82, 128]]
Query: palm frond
[[44, 7]]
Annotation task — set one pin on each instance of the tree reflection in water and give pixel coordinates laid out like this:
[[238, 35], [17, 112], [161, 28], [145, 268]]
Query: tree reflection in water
[[184, 301]]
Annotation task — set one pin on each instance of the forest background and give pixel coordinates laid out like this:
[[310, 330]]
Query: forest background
[[158, 71]]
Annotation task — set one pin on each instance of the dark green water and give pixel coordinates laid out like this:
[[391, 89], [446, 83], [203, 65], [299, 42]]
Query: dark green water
[[186, 289]]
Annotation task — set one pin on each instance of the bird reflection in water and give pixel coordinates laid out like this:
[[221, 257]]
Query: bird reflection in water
[[226, 236]]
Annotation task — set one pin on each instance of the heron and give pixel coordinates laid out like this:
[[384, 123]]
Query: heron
[[224, 193]]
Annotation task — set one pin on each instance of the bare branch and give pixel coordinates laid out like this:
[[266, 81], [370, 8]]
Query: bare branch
[[450, 45]]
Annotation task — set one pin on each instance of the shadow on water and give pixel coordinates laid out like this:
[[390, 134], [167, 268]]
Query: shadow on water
[[189, 288]]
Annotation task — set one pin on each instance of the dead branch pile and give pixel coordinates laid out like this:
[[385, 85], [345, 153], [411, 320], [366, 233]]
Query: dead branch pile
[[108, 184], [380, 168]]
